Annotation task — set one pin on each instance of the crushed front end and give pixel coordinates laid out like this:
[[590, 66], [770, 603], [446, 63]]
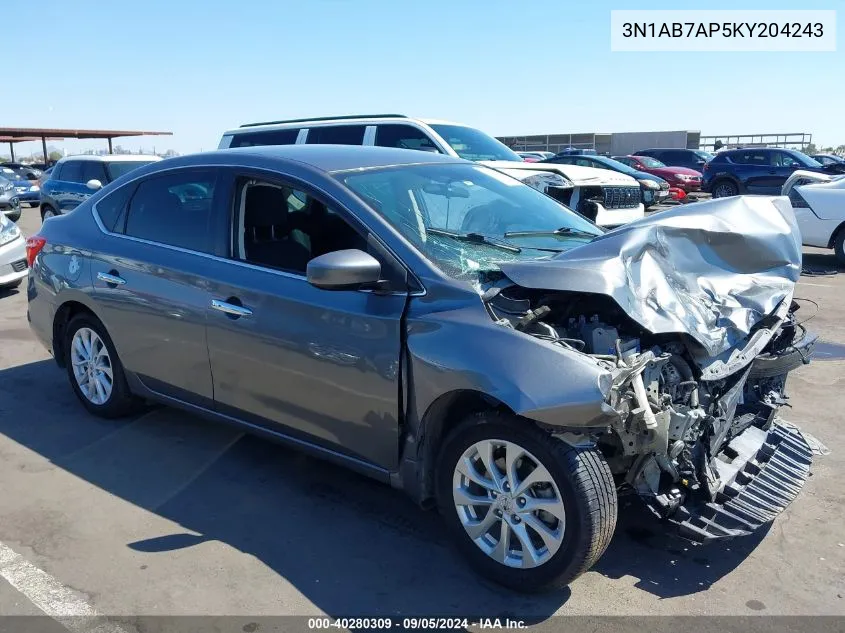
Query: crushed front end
[[698, 439], [692, 317]]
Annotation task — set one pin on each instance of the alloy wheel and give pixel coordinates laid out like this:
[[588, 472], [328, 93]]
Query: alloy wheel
[[724, 190], [508, 503], [92, 367]]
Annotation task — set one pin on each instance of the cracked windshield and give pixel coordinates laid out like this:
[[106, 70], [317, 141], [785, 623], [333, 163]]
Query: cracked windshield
[[467, 219]]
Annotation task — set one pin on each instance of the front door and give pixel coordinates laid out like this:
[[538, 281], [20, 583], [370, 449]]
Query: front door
[[318, 365]]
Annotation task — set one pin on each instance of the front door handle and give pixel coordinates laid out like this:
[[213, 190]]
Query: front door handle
[[114, 280], [230, 309]]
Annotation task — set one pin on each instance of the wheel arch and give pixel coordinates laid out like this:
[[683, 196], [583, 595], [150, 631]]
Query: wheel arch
[[835, 234], [728, 177], [67, 311], [444, 414]]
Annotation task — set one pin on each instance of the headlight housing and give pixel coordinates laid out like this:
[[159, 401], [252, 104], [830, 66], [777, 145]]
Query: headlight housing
[[684, 177], [9, 231], [34, 188], [648, 184], [541, 182]]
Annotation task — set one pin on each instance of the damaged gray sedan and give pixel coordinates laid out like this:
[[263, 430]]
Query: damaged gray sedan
[[442, 327]]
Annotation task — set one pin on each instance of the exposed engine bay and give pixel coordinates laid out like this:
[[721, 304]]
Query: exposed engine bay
[[693, 434]]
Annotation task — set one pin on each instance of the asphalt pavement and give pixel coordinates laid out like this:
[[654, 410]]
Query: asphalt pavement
[[167, 514]]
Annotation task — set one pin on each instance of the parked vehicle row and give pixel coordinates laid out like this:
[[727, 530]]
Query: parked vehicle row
[[9, 204], [757, 170], [606, 198], [654, 190], [26, 188]]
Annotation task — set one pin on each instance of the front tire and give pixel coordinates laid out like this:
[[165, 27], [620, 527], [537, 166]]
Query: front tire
[[94, 369], [527, 510], [724, 189], [839, 246]]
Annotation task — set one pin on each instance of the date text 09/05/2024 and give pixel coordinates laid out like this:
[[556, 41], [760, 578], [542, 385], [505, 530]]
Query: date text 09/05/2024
[[723, 29], [423, 623]]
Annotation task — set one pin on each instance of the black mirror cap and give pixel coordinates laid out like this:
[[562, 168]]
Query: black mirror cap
[[347, 269]]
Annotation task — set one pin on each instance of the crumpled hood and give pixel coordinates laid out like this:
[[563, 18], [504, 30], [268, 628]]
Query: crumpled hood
[[581, 176], [711, 270]]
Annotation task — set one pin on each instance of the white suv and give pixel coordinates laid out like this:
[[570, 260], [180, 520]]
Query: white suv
[[606, 197]]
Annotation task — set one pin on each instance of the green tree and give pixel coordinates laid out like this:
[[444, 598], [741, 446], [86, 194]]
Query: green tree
[[810, 148], [54, 155]]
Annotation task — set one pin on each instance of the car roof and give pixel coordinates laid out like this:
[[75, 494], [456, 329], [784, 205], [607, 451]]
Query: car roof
[[365, 119], [328, 158], [111, 158]]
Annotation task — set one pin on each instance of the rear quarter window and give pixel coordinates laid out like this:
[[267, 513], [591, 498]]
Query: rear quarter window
[[336, 135], [269, 137], [112, 209]]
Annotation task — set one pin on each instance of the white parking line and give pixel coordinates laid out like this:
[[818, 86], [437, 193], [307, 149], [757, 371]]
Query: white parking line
[[61, 603]]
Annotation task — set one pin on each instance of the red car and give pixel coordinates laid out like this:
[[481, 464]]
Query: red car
[[680, 177]]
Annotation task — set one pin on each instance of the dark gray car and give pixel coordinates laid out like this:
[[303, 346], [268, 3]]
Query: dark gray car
[[444, 328]]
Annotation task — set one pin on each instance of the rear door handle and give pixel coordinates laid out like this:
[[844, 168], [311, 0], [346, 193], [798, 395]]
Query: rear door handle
[[114, 280], [230, 308]]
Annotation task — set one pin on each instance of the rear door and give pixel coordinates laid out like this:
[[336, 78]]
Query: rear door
[[150, 277], [753, 169], [68, 190], [782, 166], [318, 365]]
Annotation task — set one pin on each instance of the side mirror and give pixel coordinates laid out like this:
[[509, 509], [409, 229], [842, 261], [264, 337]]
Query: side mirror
[[94, 184], [343, 270]]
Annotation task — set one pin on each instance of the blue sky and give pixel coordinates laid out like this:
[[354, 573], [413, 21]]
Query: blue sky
[[197, 68]]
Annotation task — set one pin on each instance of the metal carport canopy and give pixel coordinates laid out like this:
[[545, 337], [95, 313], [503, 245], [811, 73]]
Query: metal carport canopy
[[35, 133]]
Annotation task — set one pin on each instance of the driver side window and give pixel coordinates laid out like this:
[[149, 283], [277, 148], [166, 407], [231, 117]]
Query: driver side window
[[281, 227]]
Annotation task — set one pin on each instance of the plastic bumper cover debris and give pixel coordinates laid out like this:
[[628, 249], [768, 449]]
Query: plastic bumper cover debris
[[776, 465]]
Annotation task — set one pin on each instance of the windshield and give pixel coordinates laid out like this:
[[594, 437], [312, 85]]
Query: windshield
[[473, 144], [458, 215], [806, 160], [650, 162], [703, 155], [615, 165], [117, 169]]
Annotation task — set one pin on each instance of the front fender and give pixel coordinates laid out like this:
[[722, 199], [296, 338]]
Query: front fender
[[463, 349]]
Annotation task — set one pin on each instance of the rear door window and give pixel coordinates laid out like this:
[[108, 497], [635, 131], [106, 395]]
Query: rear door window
[[782, 159], [270, 137], [674, 158], [111, 209], [72, 171], [404, 137], [93, 170], [175, 209], [336, 135]]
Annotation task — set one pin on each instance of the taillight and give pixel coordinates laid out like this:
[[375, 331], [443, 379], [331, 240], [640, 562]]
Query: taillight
[[705, 167], [34, 245]]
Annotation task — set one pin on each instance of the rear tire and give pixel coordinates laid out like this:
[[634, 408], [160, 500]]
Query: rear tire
[[86, 338], [47, 212], [724, 189], [577, 481]]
